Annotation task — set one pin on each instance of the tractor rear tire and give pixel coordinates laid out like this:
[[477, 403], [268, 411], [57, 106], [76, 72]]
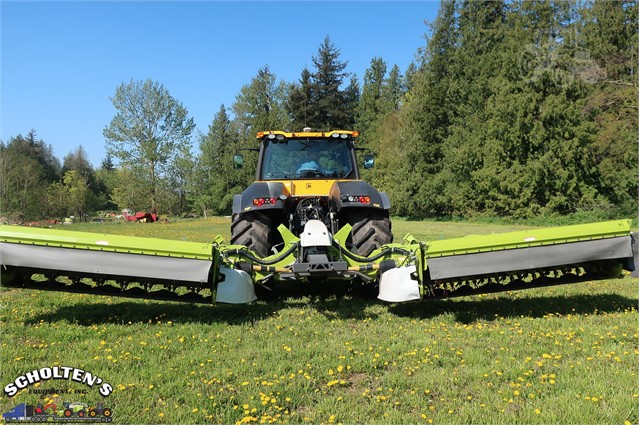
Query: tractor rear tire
[[371, 229], [254, 231]]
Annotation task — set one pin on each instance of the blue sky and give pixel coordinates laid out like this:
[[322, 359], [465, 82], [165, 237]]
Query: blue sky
[[61, 61]]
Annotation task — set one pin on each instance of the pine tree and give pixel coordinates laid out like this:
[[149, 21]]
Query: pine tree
[[424, 123], [214, 175], [260, 104], [299, 101], [27, 167], [369, 108], [609, 38], [351, 100], [329, 106], [393, 91]]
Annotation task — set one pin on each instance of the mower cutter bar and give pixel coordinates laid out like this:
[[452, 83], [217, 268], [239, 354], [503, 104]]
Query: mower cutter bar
[[106, 255], [532, 250], [125, 266]]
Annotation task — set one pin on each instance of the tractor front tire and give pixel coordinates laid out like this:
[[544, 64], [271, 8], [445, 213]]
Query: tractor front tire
[[254, 231], [371, 229]]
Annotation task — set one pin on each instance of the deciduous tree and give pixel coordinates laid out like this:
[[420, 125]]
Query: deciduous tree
[[147, 132]]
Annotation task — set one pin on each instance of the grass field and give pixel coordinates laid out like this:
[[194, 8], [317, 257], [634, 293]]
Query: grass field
[[564, 355]]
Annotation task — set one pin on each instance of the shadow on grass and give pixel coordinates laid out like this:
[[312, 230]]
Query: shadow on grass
[[333, 301], [468, 310], [334, 305]]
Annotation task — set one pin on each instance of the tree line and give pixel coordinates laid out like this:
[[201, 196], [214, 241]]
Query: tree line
[[512, 108]]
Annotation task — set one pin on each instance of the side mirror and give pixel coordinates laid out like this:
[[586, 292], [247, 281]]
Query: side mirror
[[369, 161], [238, 161]]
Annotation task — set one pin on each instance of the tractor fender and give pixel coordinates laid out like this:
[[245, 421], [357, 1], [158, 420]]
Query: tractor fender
[[341, 190], [244, 202]]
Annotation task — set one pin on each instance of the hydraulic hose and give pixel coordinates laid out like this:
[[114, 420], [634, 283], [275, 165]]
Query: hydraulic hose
[[390, 250], [255, 259]]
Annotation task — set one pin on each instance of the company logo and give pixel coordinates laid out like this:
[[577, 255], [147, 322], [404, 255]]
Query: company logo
[[64, 373], [52, 412]]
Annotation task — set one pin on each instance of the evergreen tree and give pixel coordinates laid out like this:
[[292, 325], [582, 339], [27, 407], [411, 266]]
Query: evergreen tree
[[351, 100], [369, 107], [329, 106], [27, 167], [608, 35], [215, 179], [107, 163], [417, 188], [260, 105], [299, 102], [393, 91], [77, 161]]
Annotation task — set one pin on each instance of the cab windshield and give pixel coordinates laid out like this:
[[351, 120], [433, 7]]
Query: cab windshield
[[306, 159]]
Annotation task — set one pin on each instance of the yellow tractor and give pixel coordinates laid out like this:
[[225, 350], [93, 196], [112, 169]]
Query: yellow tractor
[[309, 176]]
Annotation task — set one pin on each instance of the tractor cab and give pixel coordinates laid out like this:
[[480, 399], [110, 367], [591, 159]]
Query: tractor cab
[[304, 176]]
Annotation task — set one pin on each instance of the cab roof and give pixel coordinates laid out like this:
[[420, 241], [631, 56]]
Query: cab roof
[[311, 134]]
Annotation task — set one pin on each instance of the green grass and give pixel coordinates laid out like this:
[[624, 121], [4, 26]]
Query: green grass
[[564, 354]]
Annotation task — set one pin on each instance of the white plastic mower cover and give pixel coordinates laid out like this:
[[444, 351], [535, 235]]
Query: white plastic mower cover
[[315, 234], [236, 288], [397, 285]]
